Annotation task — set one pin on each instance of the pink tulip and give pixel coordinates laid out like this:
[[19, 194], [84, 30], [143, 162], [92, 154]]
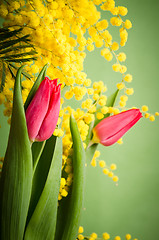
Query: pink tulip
[[111, 129], [43, 111]]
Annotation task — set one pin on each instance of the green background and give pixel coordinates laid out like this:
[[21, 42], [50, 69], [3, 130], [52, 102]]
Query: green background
[[132, 206]]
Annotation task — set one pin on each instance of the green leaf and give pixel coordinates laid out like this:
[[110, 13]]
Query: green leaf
[[11, 71], [10, 49], [16, 181], [41, 173], [89, 135], [5, 33], [9, 43], [41, 151], [16, 56], [62, 214], [21, 60], [90, 152], [77, 195], [37, 148], [112, 98], [43, 221], [27, 75], [32, 92], [4, 30]]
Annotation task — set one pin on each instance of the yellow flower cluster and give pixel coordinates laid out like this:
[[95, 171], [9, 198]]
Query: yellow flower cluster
[[107, 170], [83, 119], [126, 78], [61, 32], [63, 26], [105, 236], [148, 115]]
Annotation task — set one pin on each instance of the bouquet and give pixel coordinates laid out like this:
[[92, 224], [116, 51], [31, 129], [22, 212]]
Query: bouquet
[[50, 143]]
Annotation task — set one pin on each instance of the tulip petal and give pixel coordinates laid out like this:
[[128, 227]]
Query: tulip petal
[[112, 139], [37, 109], [49, 123], [111, 129]]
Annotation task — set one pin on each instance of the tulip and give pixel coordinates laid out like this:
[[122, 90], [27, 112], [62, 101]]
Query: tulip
[[111, 129], [43, 111]]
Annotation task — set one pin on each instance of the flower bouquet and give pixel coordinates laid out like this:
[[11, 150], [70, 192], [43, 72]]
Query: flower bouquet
[[50, 143]]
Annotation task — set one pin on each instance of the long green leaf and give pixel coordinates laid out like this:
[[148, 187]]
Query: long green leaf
[[89, 135], [43, 221], [41, 174], [45, 156], [37, 148], [16, 178], [77, 195], [39, 79], [62, 215]]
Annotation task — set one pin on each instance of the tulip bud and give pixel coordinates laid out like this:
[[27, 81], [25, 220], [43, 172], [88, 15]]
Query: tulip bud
[[111, 129], [43, 111]]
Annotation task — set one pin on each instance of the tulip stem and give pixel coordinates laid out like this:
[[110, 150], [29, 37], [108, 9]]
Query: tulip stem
[[37, 151], [94, 140], [90, 144]]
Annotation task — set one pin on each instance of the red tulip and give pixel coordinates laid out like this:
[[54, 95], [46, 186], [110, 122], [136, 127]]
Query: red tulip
[[43, 111], [112, 128]]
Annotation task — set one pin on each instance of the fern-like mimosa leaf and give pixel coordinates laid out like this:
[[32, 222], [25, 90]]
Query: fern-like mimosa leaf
[[10, 49], [3, 77], [8, 34], [27, 75], [21, 60], [16, 56], [6, 44]]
